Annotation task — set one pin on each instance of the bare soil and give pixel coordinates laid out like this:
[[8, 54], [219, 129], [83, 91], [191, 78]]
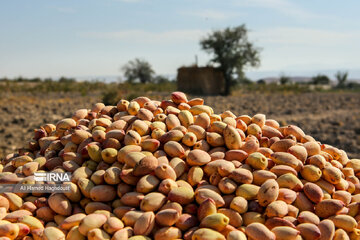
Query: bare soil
[[332, 118]]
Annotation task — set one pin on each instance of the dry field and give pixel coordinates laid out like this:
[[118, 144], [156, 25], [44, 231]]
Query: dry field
[[332, 118]]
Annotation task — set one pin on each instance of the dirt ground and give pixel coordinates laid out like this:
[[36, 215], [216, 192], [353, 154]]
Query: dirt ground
[[332, 118]]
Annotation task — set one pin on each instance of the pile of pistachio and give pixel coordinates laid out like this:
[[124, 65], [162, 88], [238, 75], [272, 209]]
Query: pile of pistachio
[[174, 169]]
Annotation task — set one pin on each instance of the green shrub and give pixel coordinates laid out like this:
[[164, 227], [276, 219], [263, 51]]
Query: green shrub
[[110, 97]]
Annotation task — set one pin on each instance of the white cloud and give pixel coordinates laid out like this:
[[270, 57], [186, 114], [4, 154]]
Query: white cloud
[[283, 47], [285, 7], [211, 14], [147, 36], [307, 48], [306, 36]]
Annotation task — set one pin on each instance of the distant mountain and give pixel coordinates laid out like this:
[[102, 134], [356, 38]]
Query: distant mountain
[[300, 76], [107, 79], [113, 78], [300, 80], [267, 76]]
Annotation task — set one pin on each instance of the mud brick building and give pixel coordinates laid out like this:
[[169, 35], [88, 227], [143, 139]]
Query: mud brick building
[[200, 80]]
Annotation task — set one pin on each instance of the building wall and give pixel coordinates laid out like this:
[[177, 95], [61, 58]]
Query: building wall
[[200, 80]]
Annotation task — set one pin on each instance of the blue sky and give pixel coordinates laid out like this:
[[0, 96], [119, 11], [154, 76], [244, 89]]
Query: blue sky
[[95, 37]]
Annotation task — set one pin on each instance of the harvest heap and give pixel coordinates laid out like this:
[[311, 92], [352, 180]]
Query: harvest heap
[[175, 170]]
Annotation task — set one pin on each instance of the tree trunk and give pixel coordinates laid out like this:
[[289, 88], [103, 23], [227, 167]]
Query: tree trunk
[[228, 79], [142, 78]]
